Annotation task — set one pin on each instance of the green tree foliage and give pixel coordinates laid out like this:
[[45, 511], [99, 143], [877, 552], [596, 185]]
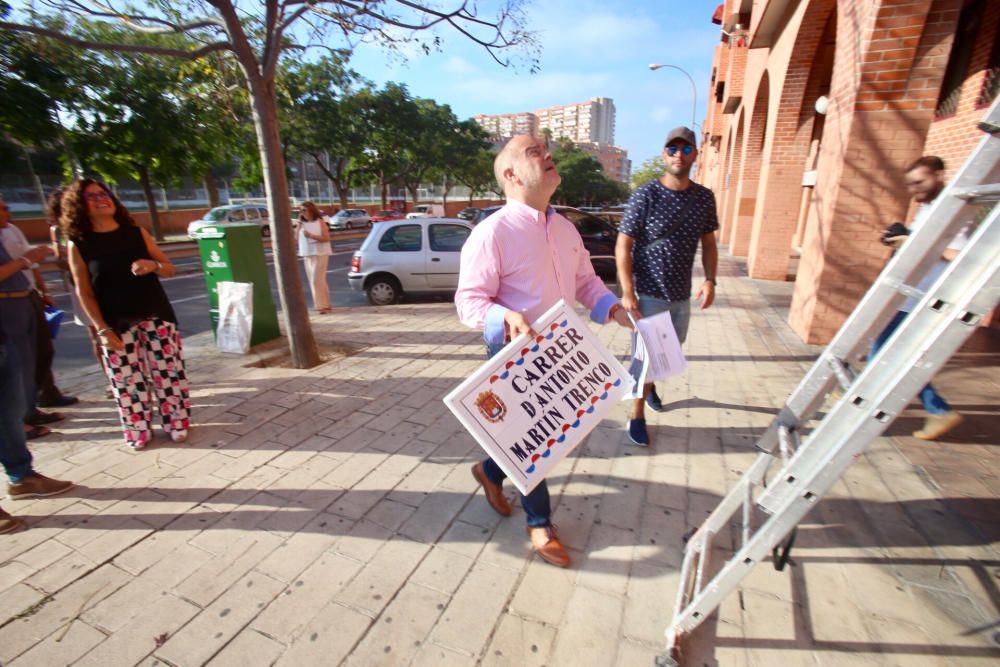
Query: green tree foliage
[[476, 173], [428, 132], [465, 147], [584, 182], [322, 121], [650, 170], [256, 35]]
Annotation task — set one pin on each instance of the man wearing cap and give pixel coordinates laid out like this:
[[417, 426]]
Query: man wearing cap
[[663, 222]]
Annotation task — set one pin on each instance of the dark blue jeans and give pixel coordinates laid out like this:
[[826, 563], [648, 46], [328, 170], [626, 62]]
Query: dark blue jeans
[[537, 506], [932, 401], [15, 353]]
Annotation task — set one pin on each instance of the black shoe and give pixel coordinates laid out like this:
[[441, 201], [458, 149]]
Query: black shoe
[[60, 401], [653, 400]]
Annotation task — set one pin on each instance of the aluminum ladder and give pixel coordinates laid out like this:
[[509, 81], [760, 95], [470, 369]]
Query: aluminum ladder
[[946, 315]]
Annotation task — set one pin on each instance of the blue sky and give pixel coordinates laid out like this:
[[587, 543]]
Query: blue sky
[[589, 49]]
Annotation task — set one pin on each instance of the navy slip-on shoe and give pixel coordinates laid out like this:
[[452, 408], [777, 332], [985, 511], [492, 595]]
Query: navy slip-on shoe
[[653, 400], [637, 433]]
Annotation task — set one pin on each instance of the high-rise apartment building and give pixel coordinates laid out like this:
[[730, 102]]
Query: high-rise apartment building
[[506, 125], [591, 121], [589, 124]]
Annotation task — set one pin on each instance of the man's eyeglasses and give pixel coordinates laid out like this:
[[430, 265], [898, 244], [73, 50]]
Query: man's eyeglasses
[[687, 149], [95, 196]]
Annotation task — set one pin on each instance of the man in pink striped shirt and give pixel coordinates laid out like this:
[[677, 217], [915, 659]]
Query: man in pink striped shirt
[[517, 264]]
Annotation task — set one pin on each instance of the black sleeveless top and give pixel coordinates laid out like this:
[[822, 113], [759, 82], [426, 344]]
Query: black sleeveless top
[[123, 298]]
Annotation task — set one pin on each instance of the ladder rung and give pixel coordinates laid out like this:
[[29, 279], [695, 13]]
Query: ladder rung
[[788, 442], [985, 192], [842, 371], [699, 577], [747, 501], [903, 288]]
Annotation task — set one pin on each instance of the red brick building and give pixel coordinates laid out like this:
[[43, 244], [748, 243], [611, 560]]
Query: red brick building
[[614, 160], [817, 107]]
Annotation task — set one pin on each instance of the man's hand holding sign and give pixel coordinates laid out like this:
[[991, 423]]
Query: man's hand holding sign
[[532, 403]]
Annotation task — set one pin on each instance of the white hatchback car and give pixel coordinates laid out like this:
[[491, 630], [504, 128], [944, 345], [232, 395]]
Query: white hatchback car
[[408, 256]]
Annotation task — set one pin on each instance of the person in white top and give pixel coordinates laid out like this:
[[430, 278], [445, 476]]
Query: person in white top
[[315, 251], [925, 181]]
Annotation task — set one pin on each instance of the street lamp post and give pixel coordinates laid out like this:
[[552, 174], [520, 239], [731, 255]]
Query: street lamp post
[[694, 91]]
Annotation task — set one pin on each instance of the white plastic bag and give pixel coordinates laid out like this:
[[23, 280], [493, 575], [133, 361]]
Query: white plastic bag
[[235, 317]]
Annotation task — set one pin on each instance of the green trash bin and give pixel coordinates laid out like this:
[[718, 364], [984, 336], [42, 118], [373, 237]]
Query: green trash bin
[[234, 253]]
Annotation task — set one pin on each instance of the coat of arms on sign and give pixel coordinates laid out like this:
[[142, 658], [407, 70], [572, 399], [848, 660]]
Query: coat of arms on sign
[[491, 407]]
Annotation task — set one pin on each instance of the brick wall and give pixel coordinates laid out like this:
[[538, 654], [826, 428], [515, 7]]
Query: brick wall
[[890, 57], [954, 136], [749, 174], [786, 151], [730, 178]]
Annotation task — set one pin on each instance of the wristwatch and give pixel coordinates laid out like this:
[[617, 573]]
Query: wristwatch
[[711, 280]]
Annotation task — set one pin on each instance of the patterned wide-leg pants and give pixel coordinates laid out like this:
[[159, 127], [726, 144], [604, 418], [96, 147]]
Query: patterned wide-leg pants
[[151, 364]]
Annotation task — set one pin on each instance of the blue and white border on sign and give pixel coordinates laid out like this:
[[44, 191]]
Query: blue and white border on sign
[[494, 403]]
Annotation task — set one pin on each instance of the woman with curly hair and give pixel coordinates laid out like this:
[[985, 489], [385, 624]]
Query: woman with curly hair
[[315, 251], [115, 266]]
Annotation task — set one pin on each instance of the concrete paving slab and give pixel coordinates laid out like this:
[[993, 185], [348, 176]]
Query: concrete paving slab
[[323, 516]]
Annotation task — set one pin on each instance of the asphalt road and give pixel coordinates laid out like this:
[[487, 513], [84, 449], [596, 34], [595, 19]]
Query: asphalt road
[[189, 295]]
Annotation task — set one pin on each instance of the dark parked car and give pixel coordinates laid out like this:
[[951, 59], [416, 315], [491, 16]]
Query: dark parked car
[[483, 213], [468, 213], [599, 237]]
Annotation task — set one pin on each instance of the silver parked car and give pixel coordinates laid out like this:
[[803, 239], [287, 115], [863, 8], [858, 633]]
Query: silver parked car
[[351, 218], [408, 256], [226, 215]]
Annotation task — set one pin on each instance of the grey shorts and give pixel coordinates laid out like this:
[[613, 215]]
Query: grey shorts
[[680, 312]]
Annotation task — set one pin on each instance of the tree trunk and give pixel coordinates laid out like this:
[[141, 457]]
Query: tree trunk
[[338, 180], [445, 189], [147, 191], [385, 194], [413, 192], [210, 189], [37, 181], [301, 342]]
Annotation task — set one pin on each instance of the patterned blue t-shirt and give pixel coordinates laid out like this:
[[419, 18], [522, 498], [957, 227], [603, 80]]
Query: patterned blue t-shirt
[[663, 270]]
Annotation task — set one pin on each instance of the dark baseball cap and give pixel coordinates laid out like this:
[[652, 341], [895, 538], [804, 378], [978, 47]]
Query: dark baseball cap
[[682, 133]]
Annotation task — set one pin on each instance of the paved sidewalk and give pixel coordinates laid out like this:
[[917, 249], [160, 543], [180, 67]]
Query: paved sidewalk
[[328, 517]]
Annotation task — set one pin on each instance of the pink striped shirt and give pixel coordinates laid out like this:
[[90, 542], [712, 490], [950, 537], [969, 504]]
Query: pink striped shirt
[[525, 260]]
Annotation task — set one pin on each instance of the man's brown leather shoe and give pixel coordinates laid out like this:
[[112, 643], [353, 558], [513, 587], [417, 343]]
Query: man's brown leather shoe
[[494, 493], [37, 486], [9, 524], [545, 541]]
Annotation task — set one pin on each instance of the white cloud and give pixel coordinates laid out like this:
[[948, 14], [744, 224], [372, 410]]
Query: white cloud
[[458, 65]]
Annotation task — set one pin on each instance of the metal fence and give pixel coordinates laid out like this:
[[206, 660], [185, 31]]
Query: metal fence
[[26, 196]]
